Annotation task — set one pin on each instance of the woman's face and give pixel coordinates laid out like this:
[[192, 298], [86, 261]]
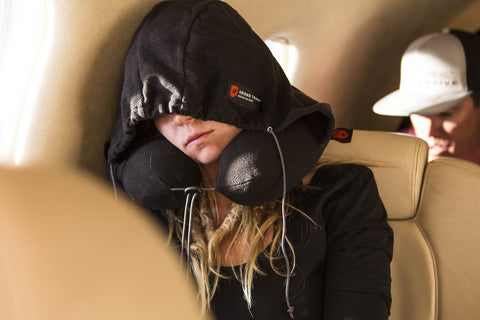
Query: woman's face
[[203, 141]]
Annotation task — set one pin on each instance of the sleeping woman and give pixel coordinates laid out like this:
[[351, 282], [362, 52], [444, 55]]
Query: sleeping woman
[[213, 140]]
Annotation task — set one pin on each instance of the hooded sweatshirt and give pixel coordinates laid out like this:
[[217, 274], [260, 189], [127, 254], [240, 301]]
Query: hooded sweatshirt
[[200, 58]]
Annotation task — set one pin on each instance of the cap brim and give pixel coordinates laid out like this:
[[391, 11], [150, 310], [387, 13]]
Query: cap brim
[[400, 103]]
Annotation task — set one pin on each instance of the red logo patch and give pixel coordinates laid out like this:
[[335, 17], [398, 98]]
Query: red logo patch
[[233, 91], [243, 96], [342, 135]]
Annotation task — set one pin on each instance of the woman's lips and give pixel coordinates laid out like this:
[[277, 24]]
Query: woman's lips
[[197, 137]]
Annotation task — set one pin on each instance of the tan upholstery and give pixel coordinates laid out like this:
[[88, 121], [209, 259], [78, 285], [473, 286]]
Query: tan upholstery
[[398, 162], [449, 214], [68, 251]]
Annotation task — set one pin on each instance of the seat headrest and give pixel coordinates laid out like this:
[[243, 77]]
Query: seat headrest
[[397, 162]]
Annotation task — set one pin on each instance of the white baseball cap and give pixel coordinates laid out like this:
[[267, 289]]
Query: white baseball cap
[[434, 75]]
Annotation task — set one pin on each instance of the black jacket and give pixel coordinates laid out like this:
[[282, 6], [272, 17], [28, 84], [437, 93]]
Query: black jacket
[[342, 262]]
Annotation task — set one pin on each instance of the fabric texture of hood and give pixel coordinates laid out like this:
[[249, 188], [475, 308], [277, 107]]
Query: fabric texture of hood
[[201, 59]]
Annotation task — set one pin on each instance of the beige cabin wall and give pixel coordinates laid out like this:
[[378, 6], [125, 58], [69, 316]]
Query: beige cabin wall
[[350, 52]]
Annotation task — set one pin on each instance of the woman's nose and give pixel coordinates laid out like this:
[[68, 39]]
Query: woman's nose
[[180, 120]]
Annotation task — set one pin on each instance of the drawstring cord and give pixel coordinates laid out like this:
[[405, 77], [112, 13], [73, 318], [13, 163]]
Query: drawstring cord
[[112, 177], [284, 224], [192, 194]]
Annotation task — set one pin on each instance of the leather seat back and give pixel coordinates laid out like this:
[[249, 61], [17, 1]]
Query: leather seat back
[[449, 215], [69, 250]]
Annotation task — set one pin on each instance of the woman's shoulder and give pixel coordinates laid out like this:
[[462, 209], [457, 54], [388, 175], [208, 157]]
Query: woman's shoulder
[[338, 175], [333, 185], [345, 195]]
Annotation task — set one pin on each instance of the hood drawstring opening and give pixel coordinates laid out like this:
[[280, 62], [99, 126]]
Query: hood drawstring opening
[[284, 224]]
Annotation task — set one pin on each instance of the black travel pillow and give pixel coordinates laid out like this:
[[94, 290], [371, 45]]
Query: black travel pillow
[[250, 171]]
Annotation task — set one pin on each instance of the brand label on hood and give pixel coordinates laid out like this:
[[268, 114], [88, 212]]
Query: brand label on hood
[[243, 96]]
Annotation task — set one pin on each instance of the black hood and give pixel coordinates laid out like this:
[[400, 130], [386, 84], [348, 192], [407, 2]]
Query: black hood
[[189, 57], [200, 58]]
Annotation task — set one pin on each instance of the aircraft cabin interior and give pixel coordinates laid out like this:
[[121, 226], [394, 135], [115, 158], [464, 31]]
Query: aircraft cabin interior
[[70, 249]]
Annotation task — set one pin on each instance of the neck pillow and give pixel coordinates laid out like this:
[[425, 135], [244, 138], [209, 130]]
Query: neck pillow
[[250, 171]]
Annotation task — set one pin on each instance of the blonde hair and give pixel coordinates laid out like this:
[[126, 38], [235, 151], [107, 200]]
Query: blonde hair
[[250, 223]]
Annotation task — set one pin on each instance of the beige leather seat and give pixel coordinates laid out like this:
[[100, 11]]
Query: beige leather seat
[[449, 214], [69, 250], [433, 210]]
